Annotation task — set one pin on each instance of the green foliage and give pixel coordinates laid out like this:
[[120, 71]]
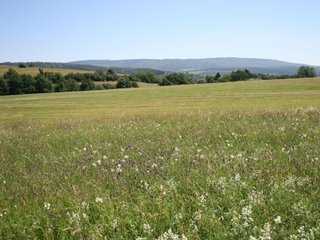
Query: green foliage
[[4, 88], [201, 81], [108, 86], [54, 77], [210, 79], [98, 87], [14, 82], [306, 72], [43, 85], [22, 65], [218, 76], [147, 77], [175, 79], [110, 71], [28, 83], [127, 82], [87, 85], [241, 75]]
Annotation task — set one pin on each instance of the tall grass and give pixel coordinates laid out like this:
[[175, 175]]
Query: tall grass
[[202, 176]]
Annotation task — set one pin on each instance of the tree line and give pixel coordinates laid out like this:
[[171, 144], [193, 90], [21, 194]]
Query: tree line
[[243, 75], [12, 82], [44, 82]]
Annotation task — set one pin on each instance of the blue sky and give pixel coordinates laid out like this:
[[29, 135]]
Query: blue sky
[[66, 30]]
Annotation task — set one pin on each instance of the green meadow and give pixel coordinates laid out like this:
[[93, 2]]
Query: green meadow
[[209, 161], [186, 99]]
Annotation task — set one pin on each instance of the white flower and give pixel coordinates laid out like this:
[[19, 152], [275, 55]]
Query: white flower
[[99, 200], [104, 157], [126, 157], [47, 206], [94, 165], [277, 220], [237, 177], [197, 215], [147, 229]]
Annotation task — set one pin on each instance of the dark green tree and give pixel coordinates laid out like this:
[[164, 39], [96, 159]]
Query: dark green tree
[[28, 83], [176, 79], [14, 82], [241, 75], [306, 72], [127, 82], [217, 77], [4, 89], [43, 84], [87, 85], [147, 77]]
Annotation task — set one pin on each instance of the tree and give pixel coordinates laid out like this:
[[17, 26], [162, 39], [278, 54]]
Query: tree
[[210, 79], [43, 85], [217, 77], [176, 79], [147, 77], [22, 65], [71, 85], [28, 83], [126, 82], [14, 82], [87, 85], [4, 89], [241, 75], [306, 71], [110, 71]]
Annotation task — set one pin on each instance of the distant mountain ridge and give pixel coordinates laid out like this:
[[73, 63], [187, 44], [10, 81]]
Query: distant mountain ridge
[[202, 65]]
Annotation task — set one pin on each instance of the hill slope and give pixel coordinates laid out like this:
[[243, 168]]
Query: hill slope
[[203, 66]]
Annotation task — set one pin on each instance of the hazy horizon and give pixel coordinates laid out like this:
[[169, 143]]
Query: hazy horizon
[[64, 31]]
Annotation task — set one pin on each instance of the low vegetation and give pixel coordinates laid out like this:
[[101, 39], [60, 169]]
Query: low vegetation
[[232, 160]]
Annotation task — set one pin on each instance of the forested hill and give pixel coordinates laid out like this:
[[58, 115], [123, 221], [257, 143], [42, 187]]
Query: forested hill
[[203, 66]]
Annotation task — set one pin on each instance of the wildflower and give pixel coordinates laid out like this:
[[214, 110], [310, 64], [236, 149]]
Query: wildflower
[[126, 157], [104, 157], [266, 232], [94, 165], [99, 162], [99, 200], [47, 206], [277, 220], [197, 215], [147, 229], [183, 237], [237, 177], [119, 170]]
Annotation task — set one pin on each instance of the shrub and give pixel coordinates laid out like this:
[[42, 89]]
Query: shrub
[[125, 82], [87, 85], [175, 79], [108, 86]]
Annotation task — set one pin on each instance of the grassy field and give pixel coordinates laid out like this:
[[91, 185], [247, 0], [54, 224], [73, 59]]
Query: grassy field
[[214, 161], [224, 97], [35, 70]]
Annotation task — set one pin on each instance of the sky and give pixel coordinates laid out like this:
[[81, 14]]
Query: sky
[[69, 30]]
